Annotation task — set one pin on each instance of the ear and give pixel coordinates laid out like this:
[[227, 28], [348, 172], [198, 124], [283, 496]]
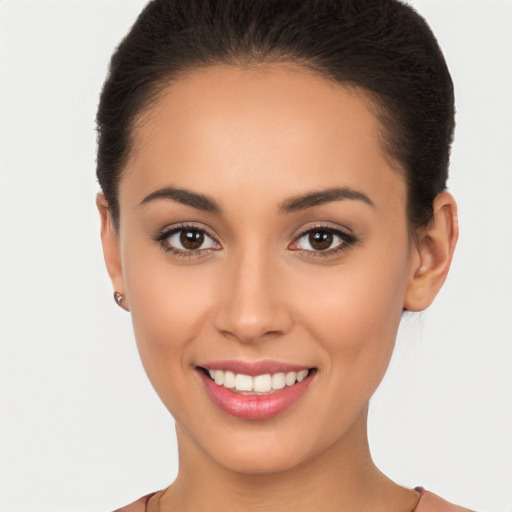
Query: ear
[[432, 254], [111, 252]]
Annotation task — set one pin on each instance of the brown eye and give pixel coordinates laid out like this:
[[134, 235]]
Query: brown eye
[[187, 240], [321, 240], [191, 239]]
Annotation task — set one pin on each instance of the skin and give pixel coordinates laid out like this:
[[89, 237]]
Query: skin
[[251, 139]]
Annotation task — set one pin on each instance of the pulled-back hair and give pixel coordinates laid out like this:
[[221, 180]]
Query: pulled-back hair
[[381, 46]]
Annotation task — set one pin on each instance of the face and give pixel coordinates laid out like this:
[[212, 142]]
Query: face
[[263, 237]]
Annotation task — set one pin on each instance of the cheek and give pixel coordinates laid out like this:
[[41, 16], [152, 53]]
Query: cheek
[[168, 308], [354, 314], [353, 319]]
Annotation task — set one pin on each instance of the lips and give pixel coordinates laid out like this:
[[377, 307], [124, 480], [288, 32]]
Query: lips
[[254, 391]]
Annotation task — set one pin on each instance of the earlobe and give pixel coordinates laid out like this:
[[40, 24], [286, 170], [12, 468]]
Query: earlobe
[[433, 253], [111, 250]]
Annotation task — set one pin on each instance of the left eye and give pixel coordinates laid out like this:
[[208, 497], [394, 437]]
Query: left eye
[[321, 240], [189, 239]]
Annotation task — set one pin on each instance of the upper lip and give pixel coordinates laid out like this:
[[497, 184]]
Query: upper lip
[[253, 368]]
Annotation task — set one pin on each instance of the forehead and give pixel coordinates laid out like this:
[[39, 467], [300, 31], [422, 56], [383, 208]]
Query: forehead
[[274, 126]]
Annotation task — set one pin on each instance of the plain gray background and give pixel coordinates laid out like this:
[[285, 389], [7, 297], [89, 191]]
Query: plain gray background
[[81, 428]]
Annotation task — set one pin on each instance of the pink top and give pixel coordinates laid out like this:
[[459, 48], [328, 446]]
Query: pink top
[[429, 502]]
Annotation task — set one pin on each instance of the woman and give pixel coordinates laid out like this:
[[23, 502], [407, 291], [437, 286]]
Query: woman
[[273, 199]]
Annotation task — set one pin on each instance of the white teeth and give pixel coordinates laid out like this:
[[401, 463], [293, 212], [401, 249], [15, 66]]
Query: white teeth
[[260, 383], [243, 382], [302, 375], [229, 380], [290, 378], [278, 381]]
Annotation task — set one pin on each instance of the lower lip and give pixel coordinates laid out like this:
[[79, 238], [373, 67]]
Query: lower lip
[[254, 407]]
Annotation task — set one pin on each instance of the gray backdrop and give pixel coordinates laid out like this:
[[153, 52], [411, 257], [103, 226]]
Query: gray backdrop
[[81, 428]]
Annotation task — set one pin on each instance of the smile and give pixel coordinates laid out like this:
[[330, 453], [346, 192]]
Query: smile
[[254, 392], [266, 383]]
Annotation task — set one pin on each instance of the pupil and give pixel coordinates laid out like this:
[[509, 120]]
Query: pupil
[[191, 239], [320, 240]]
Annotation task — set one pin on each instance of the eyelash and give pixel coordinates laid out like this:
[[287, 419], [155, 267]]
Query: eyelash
[[348, 240], [180, 253]]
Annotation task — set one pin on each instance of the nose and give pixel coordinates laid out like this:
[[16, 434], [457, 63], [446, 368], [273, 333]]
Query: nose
[[252, 306]]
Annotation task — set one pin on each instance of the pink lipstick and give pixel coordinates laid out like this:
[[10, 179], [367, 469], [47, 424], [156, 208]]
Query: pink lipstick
[[254, 391]]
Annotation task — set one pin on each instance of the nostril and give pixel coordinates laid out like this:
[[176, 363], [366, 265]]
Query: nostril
[[245, 335]]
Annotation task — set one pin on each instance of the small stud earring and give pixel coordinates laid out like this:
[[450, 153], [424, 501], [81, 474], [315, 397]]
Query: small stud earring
[[119, 298]]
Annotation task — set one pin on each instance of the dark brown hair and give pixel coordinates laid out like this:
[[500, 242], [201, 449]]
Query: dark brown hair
[[381, 46]]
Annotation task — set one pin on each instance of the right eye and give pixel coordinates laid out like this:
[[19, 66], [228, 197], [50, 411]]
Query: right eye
[[187, 241]]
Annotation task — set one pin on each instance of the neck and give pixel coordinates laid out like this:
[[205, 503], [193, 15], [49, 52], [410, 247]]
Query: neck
[[343, 477]]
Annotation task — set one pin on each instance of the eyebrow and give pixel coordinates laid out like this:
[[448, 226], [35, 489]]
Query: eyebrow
[[301, 202], [312, 199], [198, 201]]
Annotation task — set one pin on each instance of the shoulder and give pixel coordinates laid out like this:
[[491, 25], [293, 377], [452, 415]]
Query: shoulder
[[430, 502], [136, 506]]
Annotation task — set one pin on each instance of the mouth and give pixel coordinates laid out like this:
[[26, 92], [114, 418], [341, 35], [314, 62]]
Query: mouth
[[264, 384], [251, 392]]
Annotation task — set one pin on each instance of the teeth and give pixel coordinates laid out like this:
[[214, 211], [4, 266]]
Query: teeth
[[278, 381], [242, 382], [229, 380], [290, 378], [302, 375], [260, 383]]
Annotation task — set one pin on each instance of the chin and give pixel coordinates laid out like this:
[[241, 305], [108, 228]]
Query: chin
[[260, 460], [248, 447]]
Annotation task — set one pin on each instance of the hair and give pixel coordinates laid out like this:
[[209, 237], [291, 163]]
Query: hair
[[383, 47]]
